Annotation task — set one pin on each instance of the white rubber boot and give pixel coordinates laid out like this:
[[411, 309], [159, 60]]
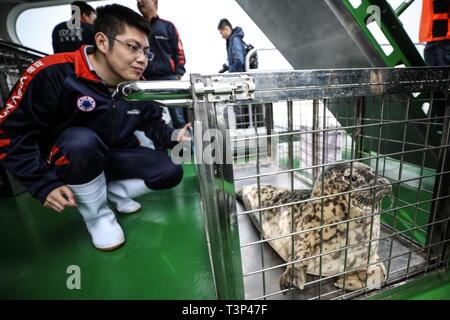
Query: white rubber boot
[[100, 220], [122, 192]]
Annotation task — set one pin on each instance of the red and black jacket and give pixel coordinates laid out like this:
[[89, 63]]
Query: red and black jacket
[[58, 92]]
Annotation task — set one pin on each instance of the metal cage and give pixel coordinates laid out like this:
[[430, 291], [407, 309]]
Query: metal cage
[[393, 120]]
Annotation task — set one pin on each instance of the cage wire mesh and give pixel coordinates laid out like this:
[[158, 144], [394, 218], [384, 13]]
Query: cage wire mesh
[[400, 137], [245, 120]]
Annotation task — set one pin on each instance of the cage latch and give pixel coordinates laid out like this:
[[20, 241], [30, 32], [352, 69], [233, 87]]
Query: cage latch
[[226, 89]]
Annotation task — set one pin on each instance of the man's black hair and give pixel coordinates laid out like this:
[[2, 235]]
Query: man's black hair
[[224, 23], [112, 19], [84, 7]]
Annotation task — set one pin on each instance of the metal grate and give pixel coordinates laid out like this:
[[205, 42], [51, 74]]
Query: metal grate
[[14, 59], [393, 223]]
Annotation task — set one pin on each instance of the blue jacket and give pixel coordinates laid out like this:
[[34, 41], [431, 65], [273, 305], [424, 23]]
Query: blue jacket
[[236, 51], [62, 91], [68, 40], [166, 44]]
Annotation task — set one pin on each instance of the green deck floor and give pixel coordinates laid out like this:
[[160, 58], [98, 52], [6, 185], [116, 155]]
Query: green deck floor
[[165, 255], [432, 287]]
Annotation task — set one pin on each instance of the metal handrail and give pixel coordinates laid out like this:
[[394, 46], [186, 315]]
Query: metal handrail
[[403, 6], [250, 53], [247, 58], [17, 48], [177, 91]]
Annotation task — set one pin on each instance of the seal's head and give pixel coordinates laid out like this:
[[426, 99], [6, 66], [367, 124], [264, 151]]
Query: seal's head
[[367, 188]]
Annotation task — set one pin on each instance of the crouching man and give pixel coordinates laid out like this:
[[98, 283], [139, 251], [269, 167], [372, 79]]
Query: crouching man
[[70, 142]]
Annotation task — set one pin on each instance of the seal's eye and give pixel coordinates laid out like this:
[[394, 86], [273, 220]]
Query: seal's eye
[[353, 178]]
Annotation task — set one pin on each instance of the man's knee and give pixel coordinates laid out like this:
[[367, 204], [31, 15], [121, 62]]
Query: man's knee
[[81, 142], [175, 174], [171, 175], [85, 152]]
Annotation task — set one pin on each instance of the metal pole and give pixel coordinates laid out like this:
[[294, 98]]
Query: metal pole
[[402, 7], [440, 209], [315, 140], [218, 194], [269, 126], [154, 90], [247, 59]]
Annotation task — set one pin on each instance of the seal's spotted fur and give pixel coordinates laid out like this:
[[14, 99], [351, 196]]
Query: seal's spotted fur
[[362, 226]]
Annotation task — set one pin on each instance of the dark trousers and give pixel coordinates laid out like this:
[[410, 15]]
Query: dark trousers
[[87, 156], [437, 53], [178, 117]]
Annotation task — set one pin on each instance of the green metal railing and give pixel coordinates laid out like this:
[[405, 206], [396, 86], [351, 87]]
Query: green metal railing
[[379, 11]]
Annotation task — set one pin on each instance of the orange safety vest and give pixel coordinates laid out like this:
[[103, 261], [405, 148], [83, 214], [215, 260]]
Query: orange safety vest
[[435, 22]]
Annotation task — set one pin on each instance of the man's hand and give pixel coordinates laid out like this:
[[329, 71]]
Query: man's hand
[[184, 135], [178, 77], [60, 198]]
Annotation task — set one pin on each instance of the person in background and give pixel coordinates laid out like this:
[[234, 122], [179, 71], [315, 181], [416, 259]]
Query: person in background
[[235, 45], [70, 141], [169, 60], [435, 31], [236, 63], [70, 35]]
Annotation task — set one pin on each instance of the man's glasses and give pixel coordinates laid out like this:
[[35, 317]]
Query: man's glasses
[[136, 49]]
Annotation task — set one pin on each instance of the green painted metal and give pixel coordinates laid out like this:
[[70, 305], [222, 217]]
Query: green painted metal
[[435, 286], [404, 52], [165, 256], [402, 7], [413, 218], [392, 110]]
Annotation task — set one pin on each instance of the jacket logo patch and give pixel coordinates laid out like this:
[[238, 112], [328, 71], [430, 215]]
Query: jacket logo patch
[[133, 111], [86, 103]]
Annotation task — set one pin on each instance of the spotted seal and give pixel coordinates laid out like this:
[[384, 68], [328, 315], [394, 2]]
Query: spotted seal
[[359, 218]]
